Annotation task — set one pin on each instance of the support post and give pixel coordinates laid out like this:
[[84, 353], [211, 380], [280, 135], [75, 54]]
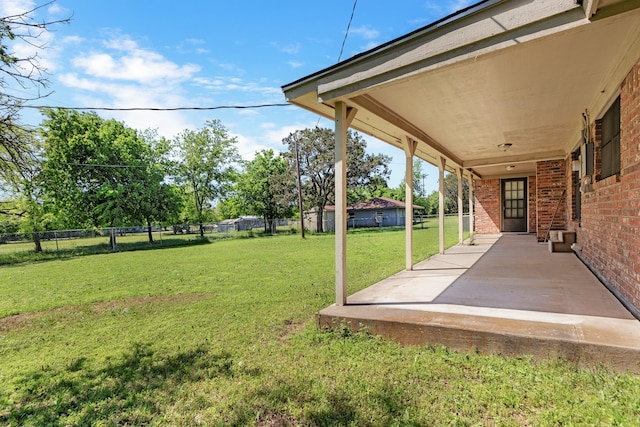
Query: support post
[[443, 163], [409, 151], [343, 117], [471, 219], [460, 207]]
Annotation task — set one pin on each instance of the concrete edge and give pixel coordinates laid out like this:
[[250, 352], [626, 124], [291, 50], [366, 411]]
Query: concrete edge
[[505, 337]]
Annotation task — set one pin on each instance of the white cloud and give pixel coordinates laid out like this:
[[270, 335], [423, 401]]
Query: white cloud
[[274, 134], [232, 68], [133, 64], [89, 91], [295, 64], [365, 32], [195, 41], [447, 7], [248, 146], [72, 40], [16, 7], [456, 5], [291, 49], [224, 84], [55, 9], [369, 46]]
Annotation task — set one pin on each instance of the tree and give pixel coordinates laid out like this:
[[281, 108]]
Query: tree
[[206, 165], [260, 188], [317, 166], [419, 196], [450, 196], [158, 200], [27, 205], [101, 173], [451, 193], [23, 72]]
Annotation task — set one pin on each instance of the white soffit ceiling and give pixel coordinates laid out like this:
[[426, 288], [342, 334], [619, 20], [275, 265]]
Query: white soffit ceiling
[[529, 92]]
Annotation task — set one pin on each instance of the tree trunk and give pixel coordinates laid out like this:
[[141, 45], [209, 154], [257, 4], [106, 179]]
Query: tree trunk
[[149, 231], [201, 230], [36, 242], [319, 221]]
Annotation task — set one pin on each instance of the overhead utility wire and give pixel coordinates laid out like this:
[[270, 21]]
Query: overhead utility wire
[[219, 107], [353, 11], [344, 41]]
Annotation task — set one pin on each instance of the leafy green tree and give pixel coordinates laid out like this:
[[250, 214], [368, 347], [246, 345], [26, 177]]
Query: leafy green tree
[[317, 166], [450, 196], [206, 160], [230, 207], [101, 173], [26, 203], [158, 200], [419, 196], [260, 190], [451, 193], [433, 203]]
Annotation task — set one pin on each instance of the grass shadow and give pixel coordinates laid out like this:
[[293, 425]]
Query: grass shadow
[[122, 393], [23, 257]]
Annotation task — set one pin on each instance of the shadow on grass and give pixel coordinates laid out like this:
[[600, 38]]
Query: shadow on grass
[[267, 406], [20, 257], [129, 391], [101, 248], [337, 407]]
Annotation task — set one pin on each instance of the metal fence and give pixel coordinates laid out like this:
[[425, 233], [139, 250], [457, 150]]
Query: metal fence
[[117, 238], [375, 221]]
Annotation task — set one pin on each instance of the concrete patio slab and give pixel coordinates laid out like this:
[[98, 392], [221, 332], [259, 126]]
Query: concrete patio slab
[[502, 294]]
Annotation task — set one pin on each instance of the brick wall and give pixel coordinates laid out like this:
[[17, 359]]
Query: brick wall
[[609, 230], [487, 206], [551, 203]]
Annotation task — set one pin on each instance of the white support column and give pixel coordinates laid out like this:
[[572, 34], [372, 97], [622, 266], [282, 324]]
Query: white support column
[[460, 208], [443, 163], [471, 219], [409, 151], [343, 117]]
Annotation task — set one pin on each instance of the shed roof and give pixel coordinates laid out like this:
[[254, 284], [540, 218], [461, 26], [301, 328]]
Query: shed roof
[[375, 203]]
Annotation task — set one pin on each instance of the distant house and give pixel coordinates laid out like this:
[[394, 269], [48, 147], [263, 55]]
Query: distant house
[[375, 212]]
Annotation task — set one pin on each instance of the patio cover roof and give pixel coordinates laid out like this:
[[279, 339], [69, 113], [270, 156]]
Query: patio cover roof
[[517, 72]]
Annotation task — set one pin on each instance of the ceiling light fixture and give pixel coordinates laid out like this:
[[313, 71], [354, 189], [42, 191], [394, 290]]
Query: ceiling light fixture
[[511, 167], [505, 146]]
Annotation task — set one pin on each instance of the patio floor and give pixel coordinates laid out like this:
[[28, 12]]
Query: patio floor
[[504, 294]]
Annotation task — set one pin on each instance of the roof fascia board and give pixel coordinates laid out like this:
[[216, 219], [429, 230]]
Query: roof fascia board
[[389, 45], [299, 90], [494, 29]]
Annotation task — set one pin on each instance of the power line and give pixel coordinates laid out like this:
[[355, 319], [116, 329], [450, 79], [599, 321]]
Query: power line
[[219, 107], [102, 165], [353, 11], [344, 40]]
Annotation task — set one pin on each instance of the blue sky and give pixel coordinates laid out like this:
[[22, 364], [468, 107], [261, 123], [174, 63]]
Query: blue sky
[[206, 53]]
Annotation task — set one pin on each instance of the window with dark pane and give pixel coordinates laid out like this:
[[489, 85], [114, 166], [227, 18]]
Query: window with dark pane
[[610, 140]]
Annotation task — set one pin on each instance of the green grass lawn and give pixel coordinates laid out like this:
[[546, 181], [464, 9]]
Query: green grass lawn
[[223, 334]]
